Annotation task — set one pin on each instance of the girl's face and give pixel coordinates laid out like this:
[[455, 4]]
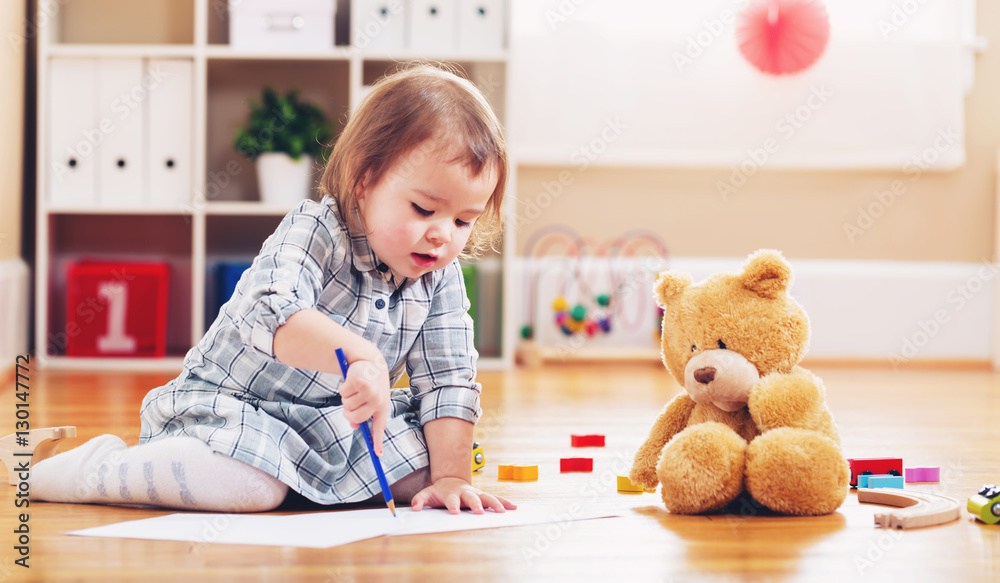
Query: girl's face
[[420, 215]]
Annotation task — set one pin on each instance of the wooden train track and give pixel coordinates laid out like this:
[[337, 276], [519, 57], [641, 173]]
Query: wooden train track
[[915, 509]]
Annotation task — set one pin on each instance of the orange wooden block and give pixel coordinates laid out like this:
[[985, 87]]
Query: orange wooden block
[[518, 473]]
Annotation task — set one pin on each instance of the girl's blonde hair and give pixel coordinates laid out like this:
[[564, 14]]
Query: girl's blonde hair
[[406, 109]]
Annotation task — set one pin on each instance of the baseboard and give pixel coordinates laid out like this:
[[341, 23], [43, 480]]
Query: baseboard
[[14, 306]]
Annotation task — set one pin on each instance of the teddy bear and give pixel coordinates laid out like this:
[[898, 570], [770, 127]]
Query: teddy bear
[[750, 418]]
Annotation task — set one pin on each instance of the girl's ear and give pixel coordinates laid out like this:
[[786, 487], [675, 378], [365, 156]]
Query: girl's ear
[[363, 185]]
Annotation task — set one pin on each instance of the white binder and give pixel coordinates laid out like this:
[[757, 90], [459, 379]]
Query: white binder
[[169, 138], [74, 134], [432, 26], [480, 26], [120, 105], [380, 25]]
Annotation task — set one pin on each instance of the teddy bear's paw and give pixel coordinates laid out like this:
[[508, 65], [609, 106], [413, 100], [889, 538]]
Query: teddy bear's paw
[[787, 400], [796, 471], [645, 476], [702, 468]]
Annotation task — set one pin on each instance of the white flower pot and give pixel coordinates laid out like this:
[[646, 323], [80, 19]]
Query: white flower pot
[[283, 181]]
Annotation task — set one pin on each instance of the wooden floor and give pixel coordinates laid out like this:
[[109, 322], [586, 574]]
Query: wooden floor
[[947, 418]]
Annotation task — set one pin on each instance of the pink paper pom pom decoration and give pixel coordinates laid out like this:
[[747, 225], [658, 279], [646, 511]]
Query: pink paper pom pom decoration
[[783, 36]]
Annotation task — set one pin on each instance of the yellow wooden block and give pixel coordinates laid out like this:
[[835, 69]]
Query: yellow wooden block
[[626, 486]]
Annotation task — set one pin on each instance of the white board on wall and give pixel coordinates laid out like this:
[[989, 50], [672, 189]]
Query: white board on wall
[[633, 82]]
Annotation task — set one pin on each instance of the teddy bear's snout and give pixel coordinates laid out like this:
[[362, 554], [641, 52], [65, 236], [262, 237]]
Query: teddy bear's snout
[[705, 374], [720, 377]]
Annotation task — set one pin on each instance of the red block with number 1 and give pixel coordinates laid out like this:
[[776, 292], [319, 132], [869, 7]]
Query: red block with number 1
[[116, 309]]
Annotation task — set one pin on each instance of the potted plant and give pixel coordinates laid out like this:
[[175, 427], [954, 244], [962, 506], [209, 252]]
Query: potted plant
[[284, 136]]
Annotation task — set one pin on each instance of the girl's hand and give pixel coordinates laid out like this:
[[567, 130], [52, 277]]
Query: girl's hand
[[455, 494], [365, 395]]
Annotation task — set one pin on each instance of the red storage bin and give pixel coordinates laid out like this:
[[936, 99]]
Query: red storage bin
[[116, 309]]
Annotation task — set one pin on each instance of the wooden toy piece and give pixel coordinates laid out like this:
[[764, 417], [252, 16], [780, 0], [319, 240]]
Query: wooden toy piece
[[885, 482], [478, 457], [586, 440], [985, 505], [525, 473], [41, 444], [627, 486], [880, 481], [576, 464], [923, 474], [518, 473], [916, 509], [874, 465]]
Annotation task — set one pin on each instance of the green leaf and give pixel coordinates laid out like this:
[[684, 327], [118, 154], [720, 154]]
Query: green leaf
[[283, 123]]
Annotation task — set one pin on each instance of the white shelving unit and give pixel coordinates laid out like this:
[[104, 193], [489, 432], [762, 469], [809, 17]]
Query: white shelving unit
[[220, 217]]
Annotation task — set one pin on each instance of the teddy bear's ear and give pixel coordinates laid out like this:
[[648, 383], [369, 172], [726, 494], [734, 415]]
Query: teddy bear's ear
[[670, 284], [766, 273]]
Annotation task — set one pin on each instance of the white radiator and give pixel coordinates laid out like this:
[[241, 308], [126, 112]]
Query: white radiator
[[14, 309], [890, 311]]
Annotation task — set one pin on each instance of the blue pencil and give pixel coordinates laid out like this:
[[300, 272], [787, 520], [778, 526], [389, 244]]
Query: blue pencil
[[386, 493]]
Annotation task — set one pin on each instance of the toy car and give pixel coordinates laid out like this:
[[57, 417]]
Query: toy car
[[478, 457], [985, 505], [874, 465]]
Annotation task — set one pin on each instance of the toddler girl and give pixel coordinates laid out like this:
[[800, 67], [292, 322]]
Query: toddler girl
[[416, 177]]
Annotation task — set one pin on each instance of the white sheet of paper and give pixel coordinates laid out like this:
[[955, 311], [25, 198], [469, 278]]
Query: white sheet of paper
[[328, 529]]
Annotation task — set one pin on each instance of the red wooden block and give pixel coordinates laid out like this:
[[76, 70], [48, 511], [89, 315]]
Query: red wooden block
[[586, 440], [116, 309], [576, 464]]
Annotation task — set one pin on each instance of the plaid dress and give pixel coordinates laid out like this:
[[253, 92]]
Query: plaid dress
[[235, 395]]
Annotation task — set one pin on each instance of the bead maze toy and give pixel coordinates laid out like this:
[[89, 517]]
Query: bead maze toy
[[38, 444], [916, 509], [985, 504], [584, 280]]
